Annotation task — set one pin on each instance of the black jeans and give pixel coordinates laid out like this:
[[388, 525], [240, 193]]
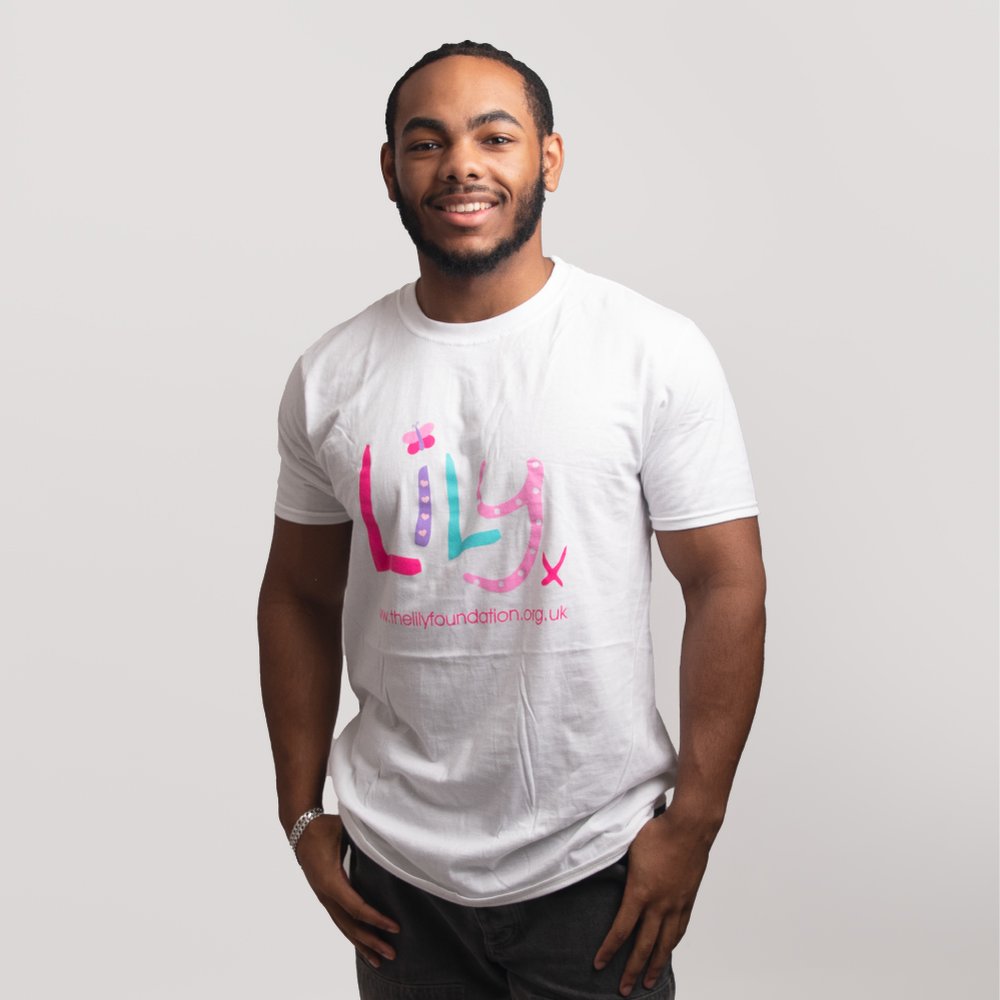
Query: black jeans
[[538, 949]]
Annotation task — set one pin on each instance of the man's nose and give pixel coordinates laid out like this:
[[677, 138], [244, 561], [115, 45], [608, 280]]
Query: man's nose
[[461, 163]]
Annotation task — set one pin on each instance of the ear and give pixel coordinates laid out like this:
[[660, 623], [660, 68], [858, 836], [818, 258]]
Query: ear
[[387, 161], [552, 160]]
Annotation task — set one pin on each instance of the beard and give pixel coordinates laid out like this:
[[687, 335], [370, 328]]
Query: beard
[[473, 263]]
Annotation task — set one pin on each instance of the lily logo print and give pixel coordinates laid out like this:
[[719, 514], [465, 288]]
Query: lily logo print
[[529, 499]]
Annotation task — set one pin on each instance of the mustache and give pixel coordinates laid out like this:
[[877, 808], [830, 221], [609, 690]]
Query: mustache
[[464, 189]]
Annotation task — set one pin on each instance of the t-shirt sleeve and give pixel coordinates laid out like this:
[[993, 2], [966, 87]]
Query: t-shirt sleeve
[[304, 494], [695, 469]]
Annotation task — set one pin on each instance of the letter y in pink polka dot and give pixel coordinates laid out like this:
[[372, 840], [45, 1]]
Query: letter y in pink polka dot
[[528, 498]]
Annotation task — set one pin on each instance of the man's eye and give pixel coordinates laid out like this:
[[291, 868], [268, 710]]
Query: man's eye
[[420, 147], [500, 140]]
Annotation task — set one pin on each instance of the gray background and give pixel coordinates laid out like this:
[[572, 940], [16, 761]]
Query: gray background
[[190, 196]]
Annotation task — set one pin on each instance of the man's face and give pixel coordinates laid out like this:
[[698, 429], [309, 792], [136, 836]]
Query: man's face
[[469, 173]]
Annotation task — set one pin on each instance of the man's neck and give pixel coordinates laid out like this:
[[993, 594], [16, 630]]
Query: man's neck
[[448, 299]]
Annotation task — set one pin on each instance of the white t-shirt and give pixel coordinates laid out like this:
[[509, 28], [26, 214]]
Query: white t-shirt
[[504, 478]]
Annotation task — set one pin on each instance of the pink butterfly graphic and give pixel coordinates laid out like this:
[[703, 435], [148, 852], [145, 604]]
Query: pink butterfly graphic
[[419, 439]]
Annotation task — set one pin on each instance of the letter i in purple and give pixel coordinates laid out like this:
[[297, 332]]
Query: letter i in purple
[[422, 534]]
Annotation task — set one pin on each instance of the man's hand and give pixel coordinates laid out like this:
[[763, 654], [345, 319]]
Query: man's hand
[[666, 863], [321, 850]]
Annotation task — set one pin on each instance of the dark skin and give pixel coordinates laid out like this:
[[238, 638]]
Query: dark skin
[[299, 627], [721, 574], [719, 567], [466, 122]]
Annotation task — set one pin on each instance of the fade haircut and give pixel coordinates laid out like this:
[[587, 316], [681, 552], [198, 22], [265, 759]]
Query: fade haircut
[[535, 90]]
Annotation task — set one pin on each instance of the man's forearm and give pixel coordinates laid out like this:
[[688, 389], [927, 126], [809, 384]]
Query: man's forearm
[[722, 662], [301, 661]]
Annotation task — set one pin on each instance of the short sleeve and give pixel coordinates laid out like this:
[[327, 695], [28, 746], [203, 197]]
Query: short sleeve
[[304, 494], [695, 469]]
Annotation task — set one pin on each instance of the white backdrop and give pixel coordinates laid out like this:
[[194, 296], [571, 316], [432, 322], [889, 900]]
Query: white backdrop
[[190, 196]]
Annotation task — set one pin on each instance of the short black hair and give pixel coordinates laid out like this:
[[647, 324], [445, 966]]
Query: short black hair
[[537, 93]]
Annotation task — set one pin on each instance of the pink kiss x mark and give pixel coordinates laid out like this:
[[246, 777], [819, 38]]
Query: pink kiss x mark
[[553, 574]]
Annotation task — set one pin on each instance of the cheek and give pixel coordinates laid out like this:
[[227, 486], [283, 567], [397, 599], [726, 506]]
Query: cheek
[[413, 182]]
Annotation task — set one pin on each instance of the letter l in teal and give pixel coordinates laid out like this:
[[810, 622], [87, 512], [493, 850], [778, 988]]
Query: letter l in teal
[[456, 543]]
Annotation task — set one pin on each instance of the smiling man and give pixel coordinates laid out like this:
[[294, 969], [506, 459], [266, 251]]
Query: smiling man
[[472, 470]]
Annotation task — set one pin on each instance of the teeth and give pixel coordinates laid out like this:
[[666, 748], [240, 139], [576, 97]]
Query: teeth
[[472, 206]]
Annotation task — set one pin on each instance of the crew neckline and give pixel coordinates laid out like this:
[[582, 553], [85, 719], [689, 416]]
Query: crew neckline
[[483, 330]]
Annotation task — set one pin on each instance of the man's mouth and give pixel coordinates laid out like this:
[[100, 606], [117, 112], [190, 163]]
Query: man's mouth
[[470, 206], [466, 201], [465, 211]]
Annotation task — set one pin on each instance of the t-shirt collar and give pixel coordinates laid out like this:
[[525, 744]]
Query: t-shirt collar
[[487, 329]]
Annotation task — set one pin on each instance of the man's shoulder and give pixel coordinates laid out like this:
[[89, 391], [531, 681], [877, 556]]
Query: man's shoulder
[[608, 300], [355, 332]]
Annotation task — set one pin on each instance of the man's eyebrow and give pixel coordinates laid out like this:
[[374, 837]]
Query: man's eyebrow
[[432, 124], [499, 115], [436, 125]]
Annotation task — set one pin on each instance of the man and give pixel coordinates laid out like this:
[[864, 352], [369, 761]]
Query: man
[[471, 472]]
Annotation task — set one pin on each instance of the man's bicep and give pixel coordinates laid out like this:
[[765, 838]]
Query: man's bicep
[[308, 562], [727, 553]]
